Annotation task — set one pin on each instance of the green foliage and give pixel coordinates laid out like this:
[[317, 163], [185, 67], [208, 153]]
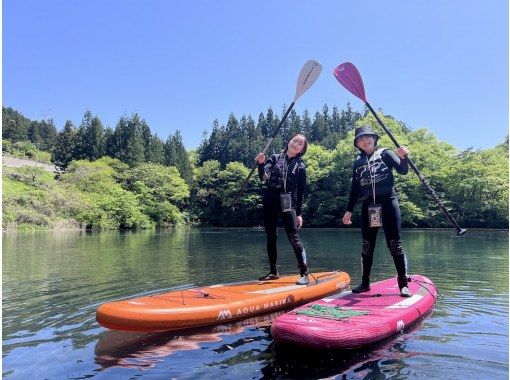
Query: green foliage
[[163, 182], [90, 177], [161, 191], [37, 203], [88, 140], [249, 202], [14, 125], [108, 204], [214, 190], [205, 200], [12, 186], [127, 143], [116, 209], [141, 182], [479, 187], [321, 206], [43, 134], [176, 155], [25, 150], [65, 147], [155, 151], [31, 175], [240, 140]]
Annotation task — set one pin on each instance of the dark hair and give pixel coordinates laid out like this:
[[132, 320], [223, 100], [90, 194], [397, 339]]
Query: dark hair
[[305, 145]]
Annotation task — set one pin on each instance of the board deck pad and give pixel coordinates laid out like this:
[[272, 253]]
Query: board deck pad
[[350, 320], [202, 306]]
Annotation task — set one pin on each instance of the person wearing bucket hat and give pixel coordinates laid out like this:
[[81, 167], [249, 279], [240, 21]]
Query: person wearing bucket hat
[[373, 184], [285, 175]]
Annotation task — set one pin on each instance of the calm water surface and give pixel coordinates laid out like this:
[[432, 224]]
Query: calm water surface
[[53, 283]]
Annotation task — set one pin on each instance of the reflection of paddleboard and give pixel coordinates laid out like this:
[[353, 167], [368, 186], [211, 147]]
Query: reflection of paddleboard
[[352, 320], [135, 349], [186, 308]]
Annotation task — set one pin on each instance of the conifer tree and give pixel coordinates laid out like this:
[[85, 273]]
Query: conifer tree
[[233, 142], [14, 125], [183, 163], [170, 152], [349, 118], [253, 142], [90, 141], [293, 125], [147, 139], [203, 146], [316, 134], [156, 151], [108, 142], [96, 139], [306, 124], [216, 146], [43, 134], [63, 153], [262, 126], [128, 144], [272, 122], [33, 134]]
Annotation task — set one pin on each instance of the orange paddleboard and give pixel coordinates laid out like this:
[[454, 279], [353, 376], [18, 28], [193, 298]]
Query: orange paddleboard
[[194, 307]]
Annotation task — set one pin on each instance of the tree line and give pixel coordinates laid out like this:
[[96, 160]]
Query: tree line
[[131, 141], [127, 177]]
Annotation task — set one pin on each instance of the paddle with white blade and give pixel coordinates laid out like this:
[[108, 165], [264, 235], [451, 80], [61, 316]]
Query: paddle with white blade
[[349, 77], [307, 77]]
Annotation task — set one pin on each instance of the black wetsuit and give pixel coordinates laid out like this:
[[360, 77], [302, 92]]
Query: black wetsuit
[[277, 169], [377, 169]]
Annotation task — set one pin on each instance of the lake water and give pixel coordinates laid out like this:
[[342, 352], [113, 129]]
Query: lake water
[[54, 281]]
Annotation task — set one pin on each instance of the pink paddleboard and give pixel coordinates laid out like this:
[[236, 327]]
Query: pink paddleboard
[[348, 320]]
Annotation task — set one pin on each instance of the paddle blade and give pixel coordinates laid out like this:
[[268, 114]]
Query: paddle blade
[[307, 77], [348, 76]]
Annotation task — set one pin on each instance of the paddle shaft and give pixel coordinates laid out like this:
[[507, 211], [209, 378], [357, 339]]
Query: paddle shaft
[[268, 144], [460, 231]]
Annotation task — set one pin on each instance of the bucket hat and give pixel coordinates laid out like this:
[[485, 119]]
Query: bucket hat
[[365, 130]]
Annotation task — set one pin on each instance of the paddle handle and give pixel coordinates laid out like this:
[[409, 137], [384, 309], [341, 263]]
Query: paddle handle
[[430, 190], [268, 144]]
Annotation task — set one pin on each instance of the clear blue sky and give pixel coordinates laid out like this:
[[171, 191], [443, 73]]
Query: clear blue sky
[[438, 64]]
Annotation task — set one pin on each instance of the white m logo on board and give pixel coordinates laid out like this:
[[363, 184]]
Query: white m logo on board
[[400, 325], [224, 314]]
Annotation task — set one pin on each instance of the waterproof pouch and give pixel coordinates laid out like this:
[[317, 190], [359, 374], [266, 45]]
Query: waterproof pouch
[[374, 215], [286, 201]]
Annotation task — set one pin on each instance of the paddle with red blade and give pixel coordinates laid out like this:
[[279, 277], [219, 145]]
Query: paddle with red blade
[[307, 77], [349, 77]]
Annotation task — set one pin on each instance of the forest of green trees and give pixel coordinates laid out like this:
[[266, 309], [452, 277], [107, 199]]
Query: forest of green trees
[[128, 177]]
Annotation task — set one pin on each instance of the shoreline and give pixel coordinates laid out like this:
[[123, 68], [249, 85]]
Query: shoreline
[[257, 228]]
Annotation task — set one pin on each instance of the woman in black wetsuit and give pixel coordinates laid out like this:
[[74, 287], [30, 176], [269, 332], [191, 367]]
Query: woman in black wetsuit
[[373, 184], [285, 175]]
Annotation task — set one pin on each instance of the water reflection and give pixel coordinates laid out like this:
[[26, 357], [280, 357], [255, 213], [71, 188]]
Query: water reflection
[[53, 283], [143, 350], [377, 361]]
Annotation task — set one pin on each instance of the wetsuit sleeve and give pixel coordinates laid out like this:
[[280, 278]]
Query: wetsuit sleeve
[[401, 166], [265, 168], [301, 189], [353, 196]]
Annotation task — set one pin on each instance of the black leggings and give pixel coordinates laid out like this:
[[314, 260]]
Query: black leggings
[[272, 211], [390, 224]]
